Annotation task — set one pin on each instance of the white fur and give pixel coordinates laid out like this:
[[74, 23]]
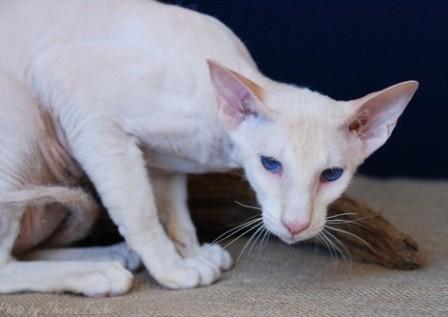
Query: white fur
[[114, 253], [127, 89]]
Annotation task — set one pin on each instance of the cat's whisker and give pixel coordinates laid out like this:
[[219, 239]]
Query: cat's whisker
[[345, 256], [320, 240], [264, 240], [350, 220], [342, 250], [343, 214], [257, 237], [232, 231], [357, 222], [247, 206], [335, 220], [259, 227], [352, 235], [253, 227], [343, 223], [316, 241], [335, 247], [328, 245], [256, 240]]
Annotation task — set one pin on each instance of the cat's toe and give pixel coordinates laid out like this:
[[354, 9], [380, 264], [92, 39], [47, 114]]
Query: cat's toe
[[218, 255], [178, 276], [208, 271], [188, 273], [104, 279]]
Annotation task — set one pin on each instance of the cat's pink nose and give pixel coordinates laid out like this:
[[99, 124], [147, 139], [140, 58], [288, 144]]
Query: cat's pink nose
[[295, 227]]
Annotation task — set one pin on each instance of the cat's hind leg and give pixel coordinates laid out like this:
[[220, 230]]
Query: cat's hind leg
[[83, 277], [118, 253], [94, 279], [89, 278], [20, 168], [55, 215]]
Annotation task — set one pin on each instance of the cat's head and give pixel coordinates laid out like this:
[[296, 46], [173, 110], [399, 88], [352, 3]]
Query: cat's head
[[299, 148]]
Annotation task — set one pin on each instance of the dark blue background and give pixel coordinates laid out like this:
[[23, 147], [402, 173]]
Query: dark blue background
[[349, 48]]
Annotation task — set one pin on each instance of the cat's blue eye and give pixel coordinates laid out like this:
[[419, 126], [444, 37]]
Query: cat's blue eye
[[271, 164], [331, 174]]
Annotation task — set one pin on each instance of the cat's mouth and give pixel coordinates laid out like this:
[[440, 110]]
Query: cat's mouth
[[300, 237], [309, 233], [278, 230]]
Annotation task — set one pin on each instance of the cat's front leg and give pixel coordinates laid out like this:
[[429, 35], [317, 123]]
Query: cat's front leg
[[115, 165], [171, 194]]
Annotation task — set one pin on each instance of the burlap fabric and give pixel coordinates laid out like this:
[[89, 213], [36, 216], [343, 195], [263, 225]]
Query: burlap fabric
[[296, 281]]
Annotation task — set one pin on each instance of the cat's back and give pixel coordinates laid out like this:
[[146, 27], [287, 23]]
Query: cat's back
[[170, 33]]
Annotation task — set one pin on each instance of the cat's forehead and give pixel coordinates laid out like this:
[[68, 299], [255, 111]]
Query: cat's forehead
[[306, 124], [301, 104], [309, 118], [311, 122]]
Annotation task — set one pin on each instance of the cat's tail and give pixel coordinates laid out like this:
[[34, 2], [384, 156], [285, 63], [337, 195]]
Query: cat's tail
[[82, 209]]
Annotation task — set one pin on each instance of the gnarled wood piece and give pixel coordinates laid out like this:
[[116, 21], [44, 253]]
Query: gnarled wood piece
[[212, 200]]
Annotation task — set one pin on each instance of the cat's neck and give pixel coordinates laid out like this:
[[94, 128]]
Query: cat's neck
[[186, 143], [193, 152]]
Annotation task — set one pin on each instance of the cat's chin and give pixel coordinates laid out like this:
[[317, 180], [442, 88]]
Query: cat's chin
[[290, 240], [301, 237]]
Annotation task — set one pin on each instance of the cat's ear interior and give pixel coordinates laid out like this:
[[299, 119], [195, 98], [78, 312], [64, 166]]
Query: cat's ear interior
[[376, 114], [238, 97]]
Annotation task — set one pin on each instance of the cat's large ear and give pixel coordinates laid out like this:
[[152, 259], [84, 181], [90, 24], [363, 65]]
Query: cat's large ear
[[238, 97], [376, 114]]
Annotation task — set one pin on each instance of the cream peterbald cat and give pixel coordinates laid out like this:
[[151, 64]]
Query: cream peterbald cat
[[134, 94]]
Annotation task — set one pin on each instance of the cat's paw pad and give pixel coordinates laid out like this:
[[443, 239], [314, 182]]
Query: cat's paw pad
[[121, 253], [217, 255], [188, 273], [102, 280]]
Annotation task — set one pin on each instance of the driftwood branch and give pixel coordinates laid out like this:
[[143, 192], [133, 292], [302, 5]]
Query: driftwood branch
[[212, 200]]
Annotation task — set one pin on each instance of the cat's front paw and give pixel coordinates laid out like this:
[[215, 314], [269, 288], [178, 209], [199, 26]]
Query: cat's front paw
[[217, 255], [188, 273]]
